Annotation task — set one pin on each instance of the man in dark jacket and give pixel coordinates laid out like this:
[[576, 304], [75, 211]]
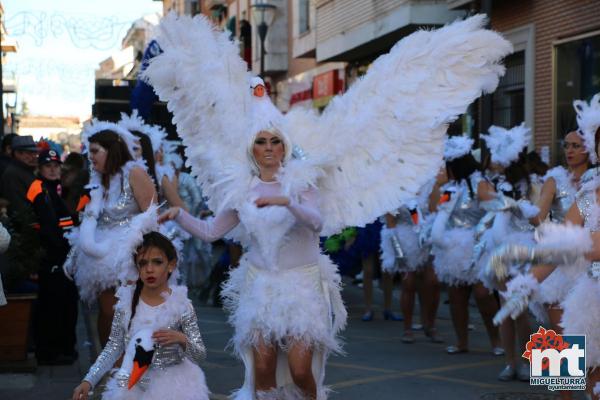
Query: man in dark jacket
[[56, 313], [18, 175]]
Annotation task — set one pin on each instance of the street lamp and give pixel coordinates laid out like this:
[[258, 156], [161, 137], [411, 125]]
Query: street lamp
[[263, 15]]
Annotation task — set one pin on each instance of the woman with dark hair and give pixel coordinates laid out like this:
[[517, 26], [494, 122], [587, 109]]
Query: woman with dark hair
[[144, 151], [508, 201], [120, 190], [453, 239]]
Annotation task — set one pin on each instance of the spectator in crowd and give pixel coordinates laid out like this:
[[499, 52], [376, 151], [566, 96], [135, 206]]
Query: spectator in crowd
[[18, 175], [56, 314], [74, 177], [5, 151]]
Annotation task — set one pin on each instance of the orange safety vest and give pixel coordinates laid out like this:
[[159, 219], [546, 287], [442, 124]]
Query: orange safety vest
[[34, 190]]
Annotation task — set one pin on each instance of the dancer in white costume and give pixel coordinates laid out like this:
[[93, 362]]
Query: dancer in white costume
[[557, 196], [509, 203], [120, 189], [156, 331], [402, 253], [453, 239], [571, 247], [350, 166]]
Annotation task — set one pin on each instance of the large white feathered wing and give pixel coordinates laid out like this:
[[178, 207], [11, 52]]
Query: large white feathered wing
[[383, 139], [206, 85]]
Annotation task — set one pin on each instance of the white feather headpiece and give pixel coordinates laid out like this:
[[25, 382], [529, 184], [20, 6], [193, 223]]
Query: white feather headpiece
[[170, 153], [95, 126], [588, 121], [135, 122], [456, 147], [506, 144]]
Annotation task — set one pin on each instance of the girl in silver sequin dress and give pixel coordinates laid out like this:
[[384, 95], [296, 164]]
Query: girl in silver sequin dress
[[156, 330], [120, 190]]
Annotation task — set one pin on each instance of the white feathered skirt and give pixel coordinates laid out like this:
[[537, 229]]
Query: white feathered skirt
[[183, 381], [580, 316], [300, 304], [415, 257], [452, 251]]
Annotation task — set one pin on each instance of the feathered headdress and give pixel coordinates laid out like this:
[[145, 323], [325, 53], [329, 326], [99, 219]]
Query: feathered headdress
[[588, 121], [170, 154], [135, 122], [506, 144], [457, 146], [95, 126]]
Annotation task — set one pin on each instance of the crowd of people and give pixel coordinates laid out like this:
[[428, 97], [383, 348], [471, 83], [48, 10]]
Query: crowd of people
[[123, 226]]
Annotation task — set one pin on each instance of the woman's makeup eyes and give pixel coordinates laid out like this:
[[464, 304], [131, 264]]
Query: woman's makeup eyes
[[260, 141], [275, 141]]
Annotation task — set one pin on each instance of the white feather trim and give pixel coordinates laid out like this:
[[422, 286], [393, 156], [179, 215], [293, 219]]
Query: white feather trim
[[528, 209], [457, 146], [564, 237], [588, 120], [506, 144], [135, 122], [283, 304], [95, 126], [585, 295], [184, 381], [453, 255]]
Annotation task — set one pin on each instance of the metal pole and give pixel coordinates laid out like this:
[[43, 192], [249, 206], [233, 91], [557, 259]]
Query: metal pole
[[262, 34]]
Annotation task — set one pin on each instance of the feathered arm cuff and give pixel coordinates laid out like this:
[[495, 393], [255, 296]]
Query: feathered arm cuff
[[518, 292]]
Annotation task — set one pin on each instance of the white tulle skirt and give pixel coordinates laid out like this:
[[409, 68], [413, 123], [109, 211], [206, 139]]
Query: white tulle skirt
[[299, 304], [184, 381], [580, 316]]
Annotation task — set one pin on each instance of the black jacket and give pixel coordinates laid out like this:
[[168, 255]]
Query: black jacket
[[14, 183], [53, 219]]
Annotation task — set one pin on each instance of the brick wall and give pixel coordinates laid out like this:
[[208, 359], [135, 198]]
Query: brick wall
[[553, 20]]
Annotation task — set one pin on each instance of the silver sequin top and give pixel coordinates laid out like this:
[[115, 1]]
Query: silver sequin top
[[163, 357], [466, 212], [119, 206], [563, 198]]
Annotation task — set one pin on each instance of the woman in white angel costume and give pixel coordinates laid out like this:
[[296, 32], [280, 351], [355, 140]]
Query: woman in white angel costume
[[120, 190], [574, 247], [280, 181]]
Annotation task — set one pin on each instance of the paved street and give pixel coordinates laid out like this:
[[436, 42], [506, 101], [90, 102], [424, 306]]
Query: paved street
[[377, 365]]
